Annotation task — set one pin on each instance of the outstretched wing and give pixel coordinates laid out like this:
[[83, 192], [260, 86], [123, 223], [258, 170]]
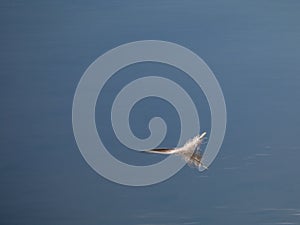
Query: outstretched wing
[[165, 151], [188, 148]]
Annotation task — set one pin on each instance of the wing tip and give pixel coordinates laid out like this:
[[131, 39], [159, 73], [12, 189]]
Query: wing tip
[[202, 135], [205, 167]]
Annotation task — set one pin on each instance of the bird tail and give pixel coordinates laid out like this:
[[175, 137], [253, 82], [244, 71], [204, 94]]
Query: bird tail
[[195, 160]]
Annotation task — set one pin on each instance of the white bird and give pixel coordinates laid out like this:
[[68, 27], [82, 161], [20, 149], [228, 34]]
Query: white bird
[[189, 151]]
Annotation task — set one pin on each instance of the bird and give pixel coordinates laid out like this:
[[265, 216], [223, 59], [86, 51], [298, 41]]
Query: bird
[[190, 151]]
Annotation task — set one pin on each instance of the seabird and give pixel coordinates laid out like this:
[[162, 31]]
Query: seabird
[[189, 151]]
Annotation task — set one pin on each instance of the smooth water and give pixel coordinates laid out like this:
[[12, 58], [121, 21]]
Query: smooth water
[[253, 49]]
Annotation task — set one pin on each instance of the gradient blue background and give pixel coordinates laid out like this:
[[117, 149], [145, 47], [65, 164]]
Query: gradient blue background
[[253, 49]]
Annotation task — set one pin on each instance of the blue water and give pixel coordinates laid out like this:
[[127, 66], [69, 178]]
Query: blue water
[[252, 47]]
